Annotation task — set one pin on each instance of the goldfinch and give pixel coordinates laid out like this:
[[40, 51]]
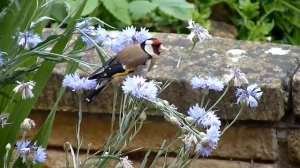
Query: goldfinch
[[132, 58]]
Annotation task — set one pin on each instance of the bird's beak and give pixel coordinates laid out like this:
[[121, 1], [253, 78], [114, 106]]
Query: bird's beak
[[163, 49]]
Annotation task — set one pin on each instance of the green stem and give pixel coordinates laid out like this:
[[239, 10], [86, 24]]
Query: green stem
[[220, 98], [233, 121], [6, 159], [78, 128], [202, 100], [69, 146]]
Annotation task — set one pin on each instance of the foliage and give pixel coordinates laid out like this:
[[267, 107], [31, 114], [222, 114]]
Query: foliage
[[257, 20]]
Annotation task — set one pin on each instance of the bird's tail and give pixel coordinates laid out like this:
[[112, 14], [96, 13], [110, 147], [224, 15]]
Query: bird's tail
[[93, 93]]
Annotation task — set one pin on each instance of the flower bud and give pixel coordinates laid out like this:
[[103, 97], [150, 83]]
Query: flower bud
[[204, 142], [167, 118], [27, 124], [67, 146], [8, 146], [174, 120], [166, 102], [205, 91], [159, 104], [195, 39], [143, 116], [184, 130], [189, 120], [201, 135]]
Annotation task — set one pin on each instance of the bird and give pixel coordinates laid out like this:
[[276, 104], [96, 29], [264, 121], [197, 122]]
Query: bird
[[134, 58]]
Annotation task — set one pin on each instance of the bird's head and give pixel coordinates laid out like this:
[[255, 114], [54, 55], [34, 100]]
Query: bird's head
[[153, 47]]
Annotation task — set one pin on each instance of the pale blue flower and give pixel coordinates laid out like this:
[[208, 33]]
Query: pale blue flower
[[207, 83], [142, 35], [213, 134], [30, 152], [28, 40], [89, 31], [117, 45], [25, 89], [209, 142], [138, 87], [250, 96], [77, 84], [102, 35], [206, 119], [210, 119], [127, 35], [197, 113], [40, 155], [21, 144], [198, 33], [1, 58]]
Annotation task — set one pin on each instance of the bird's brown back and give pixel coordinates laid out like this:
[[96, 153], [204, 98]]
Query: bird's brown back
[[137, 56]]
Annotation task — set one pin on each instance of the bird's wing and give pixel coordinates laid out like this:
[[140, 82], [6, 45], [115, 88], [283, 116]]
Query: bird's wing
[[113, 69], [132, 56], [107, 63]]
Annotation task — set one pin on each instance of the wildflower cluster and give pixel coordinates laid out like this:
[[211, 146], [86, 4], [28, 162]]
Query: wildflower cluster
[[25, 89], [207, 83], [250, 95], [1, 57], [124, 163], [207, 141], [28, 40], [30, 153], [3, 119], [140, 88], [198, 33], [114, 41], [78, 84]]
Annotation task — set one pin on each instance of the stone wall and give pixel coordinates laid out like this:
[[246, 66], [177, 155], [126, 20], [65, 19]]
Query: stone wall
[[268, 136]]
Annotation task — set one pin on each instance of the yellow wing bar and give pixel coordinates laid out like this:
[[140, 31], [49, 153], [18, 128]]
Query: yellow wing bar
[[126, 72]]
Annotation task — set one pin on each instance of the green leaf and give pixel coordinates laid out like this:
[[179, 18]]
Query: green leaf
[[118, 8], [58, 11], [249, 9], [179, 9], [89, 7], [139, 9]]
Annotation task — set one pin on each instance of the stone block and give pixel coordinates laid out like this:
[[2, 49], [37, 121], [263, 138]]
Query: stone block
[[296, 93], [214, 163], [242, 142], [246, 142], [210, 58], [293, 143]]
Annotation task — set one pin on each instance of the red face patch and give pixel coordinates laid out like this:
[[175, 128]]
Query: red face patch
[[155, 45]]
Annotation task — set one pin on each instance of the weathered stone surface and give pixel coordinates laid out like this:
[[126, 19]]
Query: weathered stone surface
[[294, 146], [296, 93], [96, 128], [209, 58], [248, 142], [241, 142], [213, 163]]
